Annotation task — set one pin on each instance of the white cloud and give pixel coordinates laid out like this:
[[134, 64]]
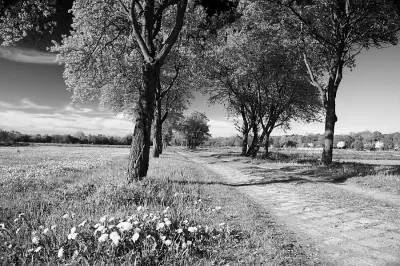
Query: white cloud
[[27, 55], [63, 123], [8, 105], [29, 104], [222, 128], [78, 110], [25, 104]]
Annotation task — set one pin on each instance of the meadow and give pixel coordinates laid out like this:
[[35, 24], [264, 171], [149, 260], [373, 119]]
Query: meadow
[[73, 206]]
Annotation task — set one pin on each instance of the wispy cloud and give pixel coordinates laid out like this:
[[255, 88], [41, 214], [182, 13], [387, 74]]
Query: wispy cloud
[[78, 110], [24, 55], [29, 104], [24, 104]]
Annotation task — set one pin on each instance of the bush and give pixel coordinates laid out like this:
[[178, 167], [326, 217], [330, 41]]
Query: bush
[[358, 145]]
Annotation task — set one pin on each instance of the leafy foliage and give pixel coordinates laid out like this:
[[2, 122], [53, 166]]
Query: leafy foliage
[[20, 18], [195, 128]]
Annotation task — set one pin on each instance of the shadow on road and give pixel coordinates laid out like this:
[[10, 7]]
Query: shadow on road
[[253, 182]]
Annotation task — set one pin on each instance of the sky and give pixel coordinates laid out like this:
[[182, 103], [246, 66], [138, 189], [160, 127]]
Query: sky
[[34, 99]]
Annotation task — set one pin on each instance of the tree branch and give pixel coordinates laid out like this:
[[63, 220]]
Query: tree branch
[[173, 36], [136, 32]]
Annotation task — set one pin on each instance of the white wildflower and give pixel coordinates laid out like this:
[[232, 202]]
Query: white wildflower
[[103, 238], [72, 236], [189, 243], [160, 226], [168, 242], [65, 216], [218, 208], [38, 249], [168, 223], [60, 253], [192, 229], [179, 231], [135, 237], [45, 231], [30, 250], [114, 236], [2, 226], [35, 240], [138, 230], [96, 225], [139, 208], [125, 226], [73, 230]]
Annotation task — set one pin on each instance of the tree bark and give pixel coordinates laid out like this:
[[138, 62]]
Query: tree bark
[[140, 148], [252, 151], [245, 130], [157, 143], [266, 144], [330, 120], [245, 143]]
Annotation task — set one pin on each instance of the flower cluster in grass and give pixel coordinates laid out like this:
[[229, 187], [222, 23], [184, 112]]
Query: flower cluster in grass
[[144, 237]]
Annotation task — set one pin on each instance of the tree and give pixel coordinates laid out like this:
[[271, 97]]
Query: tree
[[195, 128], [134, 37], [333, 34], [173, 93], [19, 18], [259, 73]]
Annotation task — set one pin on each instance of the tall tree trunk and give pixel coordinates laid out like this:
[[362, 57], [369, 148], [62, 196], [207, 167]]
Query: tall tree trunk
[[245, 130], [266, 144], [245, 143], [252, 151], [330, 120], [157, 143], [140, 148]]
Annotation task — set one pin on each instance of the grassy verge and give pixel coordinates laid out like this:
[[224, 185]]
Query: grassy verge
[[93, 217]]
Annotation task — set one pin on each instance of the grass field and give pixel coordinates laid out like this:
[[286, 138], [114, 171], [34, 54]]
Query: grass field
[[72, 205]]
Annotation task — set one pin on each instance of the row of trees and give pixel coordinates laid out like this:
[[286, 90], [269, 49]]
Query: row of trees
[[190, 130], [11, 137], [269, 61], [359, 141]]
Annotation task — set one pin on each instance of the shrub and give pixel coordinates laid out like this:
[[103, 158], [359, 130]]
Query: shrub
[[358, 145]]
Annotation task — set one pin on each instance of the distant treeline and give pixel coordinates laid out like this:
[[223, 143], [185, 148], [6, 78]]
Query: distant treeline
[[359, 141], [12, 137]]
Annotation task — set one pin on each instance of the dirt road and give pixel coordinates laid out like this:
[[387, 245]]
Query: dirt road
[[349, 225]]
